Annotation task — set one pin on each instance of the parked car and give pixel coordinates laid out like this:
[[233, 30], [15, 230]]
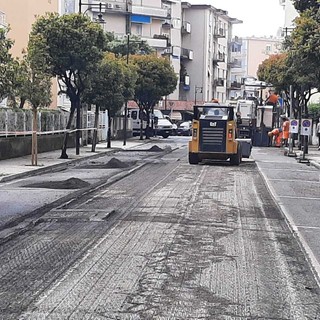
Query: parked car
[[185, 128]]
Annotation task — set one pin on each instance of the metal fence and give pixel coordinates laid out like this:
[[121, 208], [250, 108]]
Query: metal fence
[[18, 122]]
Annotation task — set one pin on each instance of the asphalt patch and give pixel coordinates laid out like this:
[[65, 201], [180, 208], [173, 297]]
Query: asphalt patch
[[72, 183]]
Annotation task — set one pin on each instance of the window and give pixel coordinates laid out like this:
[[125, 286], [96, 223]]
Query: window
[[268, 48], [136, 28], [134, 115]]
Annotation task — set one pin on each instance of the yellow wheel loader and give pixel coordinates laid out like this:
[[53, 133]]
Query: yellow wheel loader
[[214, 130]]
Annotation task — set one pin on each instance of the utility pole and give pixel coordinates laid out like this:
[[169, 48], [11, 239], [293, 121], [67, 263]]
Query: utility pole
[[126, 102], [128, 31]]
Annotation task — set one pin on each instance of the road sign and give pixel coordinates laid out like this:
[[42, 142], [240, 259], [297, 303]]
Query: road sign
[[294, 126], [305, 127]]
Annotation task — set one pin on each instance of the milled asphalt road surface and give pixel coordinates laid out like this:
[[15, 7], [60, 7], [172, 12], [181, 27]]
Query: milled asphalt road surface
[[169, 241]]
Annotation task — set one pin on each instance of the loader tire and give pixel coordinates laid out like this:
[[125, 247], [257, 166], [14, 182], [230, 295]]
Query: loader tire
[[236, 159], [193, 158]]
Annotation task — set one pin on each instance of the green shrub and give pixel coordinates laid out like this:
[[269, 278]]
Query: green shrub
[[314, 110]]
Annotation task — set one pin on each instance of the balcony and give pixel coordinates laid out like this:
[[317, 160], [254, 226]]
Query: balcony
[[163, 36], [219, 33], [234, 85], [151, 11], [156, 42], [186, 27], [219, 57], [219, 82], [234, 63], [111, 6], [186, 54], [3, 22]]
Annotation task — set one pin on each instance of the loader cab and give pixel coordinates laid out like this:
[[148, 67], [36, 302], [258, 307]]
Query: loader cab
[[214, 134]]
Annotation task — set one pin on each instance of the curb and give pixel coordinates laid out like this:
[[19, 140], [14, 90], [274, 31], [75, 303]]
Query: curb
[[315, 164]]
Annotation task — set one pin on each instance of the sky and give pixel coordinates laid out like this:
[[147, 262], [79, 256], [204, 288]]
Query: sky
[[260, 17]]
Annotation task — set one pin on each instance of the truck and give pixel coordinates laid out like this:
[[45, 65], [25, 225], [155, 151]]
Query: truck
[[162, 126], [246, 111]]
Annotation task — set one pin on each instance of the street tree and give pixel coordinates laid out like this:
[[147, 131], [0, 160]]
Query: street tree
[[304, 5], [7, 65], [303, 47], [35, 88], [69, 47], [110, 87], [156, 78], [129, 45]]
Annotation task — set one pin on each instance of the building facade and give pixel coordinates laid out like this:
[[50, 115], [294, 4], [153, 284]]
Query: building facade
[[209, 40], [290, 13]]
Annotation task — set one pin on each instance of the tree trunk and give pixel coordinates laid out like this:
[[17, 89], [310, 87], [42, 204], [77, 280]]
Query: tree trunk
[[109, 132], [141, 122], [22, 102], [34, 147], [95, 131], [78, 127], [66, 134]]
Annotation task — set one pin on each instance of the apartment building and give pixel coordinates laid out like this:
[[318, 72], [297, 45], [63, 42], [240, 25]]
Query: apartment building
[[20, 15], [290, 13], [209, 40], [158, 22]]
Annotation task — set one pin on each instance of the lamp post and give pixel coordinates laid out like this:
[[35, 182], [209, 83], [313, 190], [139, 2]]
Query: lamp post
[[126, 102], [92, 5], [128, 31], [78, 114]]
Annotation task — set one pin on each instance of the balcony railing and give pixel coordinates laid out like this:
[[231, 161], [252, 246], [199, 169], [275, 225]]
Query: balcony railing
[[186, 27], [219, 33], [234, 63], [219, 57], [234, 85], [151, 11], [3, 22], [219, 82], [186, 53]]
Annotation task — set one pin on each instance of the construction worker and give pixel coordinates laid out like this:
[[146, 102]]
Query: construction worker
[[272, 100], [285, 130], [276, 135]]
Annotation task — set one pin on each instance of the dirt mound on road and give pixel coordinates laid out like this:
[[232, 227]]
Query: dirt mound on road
[[72, 183], [155, 149], [116, 163]]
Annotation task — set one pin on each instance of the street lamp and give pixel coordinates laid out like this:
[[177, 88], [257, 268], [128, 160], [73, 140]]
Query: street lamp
[[90, 6], [126, 102]]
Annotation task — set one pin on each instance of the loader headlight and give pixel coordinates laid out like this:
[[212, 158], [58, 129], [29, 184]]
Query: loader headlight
[[194, 133], [230, 134]]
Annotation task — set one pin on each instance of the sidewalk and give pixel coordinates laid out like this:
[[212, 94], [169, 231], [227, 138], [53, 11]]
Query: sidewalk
[[20, 167], [313, 155]]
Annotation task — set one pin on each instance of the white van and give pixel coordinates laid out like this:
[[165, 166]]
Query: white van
[[163, 127]]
